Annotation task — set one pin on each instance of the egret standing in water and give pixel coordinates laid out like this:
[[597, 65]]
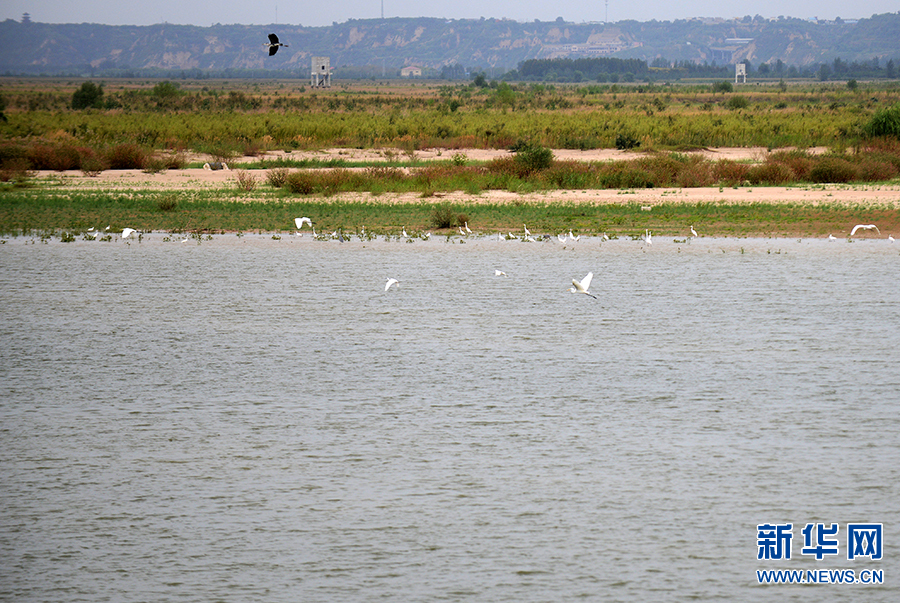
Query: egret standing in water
[[583, 285], [693, 232]]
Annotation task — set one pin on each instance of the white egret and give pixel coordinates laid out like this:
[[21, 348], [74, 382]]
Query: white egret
[[468, 230], [499, 236], [648, 236], [461, 231], [391, 281], [583, 285], [404, 234], [499, 273], [693, 232], [864, 227], [561, 238], [301, 221], [573, 237], [128, 233], [890, 238], [527, 232], [273, 44], [831, 237]]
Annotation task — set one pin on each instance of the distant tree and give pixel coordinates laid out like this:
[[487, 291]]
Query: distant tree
[[824, 72], [166, 90], [723, 86], [889, 70], [480, 80], [852, 85], [90, 95]]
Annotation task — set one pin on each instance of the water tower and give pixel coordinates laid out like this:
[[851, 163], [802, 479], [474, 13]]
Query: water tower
[[320, 77]]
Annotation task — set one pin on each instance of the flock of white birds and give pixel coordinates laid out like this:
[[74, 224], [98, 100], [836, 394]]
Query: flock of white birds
[[578, 286]]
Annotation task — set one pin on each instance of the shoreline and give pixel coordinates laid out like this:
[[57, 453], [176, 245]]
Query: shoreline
[[809, 210]]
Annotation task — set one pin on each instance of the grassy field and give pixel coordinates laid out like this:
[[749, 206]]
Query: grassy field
[[155, 126]]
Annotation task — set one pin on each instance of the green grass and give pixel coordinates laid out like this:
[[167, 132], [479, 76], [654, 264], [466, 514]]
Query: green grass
[[31, 210]]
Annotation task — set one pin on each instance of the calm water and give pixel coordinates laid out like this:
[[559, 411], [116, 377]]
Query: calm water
[[255, 420]]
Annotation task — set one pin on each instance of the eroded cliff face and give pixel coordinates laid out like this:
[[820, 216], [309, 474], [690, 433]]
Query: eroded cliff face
[[430, 43]]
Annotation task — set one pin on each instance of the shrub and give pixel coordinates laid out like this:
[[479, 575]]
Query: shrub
[[533, 158], [771, 173], [625, 142], [798, 161], [625, 174], [730, 173], [569, 175], [723, 86], [16, 170], [885, 122], [245, 180], [300, 183], [89, 96], [737, 102], [126, 156], [872, 170], [442, 216], [92, 164], [832, 169], [277, 177]]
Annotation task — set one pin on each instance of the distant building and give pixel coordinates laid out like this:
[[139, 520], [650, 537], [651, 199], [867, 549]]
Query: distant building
[[740, 73], [320, 75], [411, 71]]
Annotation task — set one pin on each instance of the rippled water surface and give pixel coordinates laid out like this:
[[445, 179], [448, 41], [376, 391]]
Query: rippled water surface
[[247, 419]]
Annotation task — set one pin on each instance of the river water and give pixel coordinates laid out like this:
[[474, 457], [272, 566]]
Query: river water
[[250, 419]]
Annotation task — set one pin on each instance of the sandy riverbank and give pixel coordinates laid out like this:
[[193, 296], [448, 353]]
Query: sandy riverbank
[[883, 196]]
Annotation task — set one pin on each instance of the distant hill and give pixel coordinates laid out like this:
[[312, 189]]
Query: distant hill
[[386, 45]]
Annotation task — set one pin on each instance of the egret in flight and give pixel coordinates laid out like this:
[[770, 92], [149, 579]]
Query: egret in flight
[[391, 281], [128, 233], [864, 227], [274, 44], [583, 285], [301, 221]]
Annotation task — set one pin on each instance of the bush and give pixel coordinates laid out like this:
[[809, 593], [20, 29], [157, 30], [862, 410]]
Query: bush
[[737, 102], [300, 183], [625, 142], [442, 216], [245, 180], [884, 123], [89, 96], [798, 161], [833, 169], [724, 86], [126, 156], [534, 158], [277, 177], [730, 173], [771, 173]]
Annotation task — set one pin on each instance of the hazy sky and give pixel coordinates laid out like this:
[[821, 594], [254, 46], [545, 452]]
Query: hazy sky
[[262, 12]]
